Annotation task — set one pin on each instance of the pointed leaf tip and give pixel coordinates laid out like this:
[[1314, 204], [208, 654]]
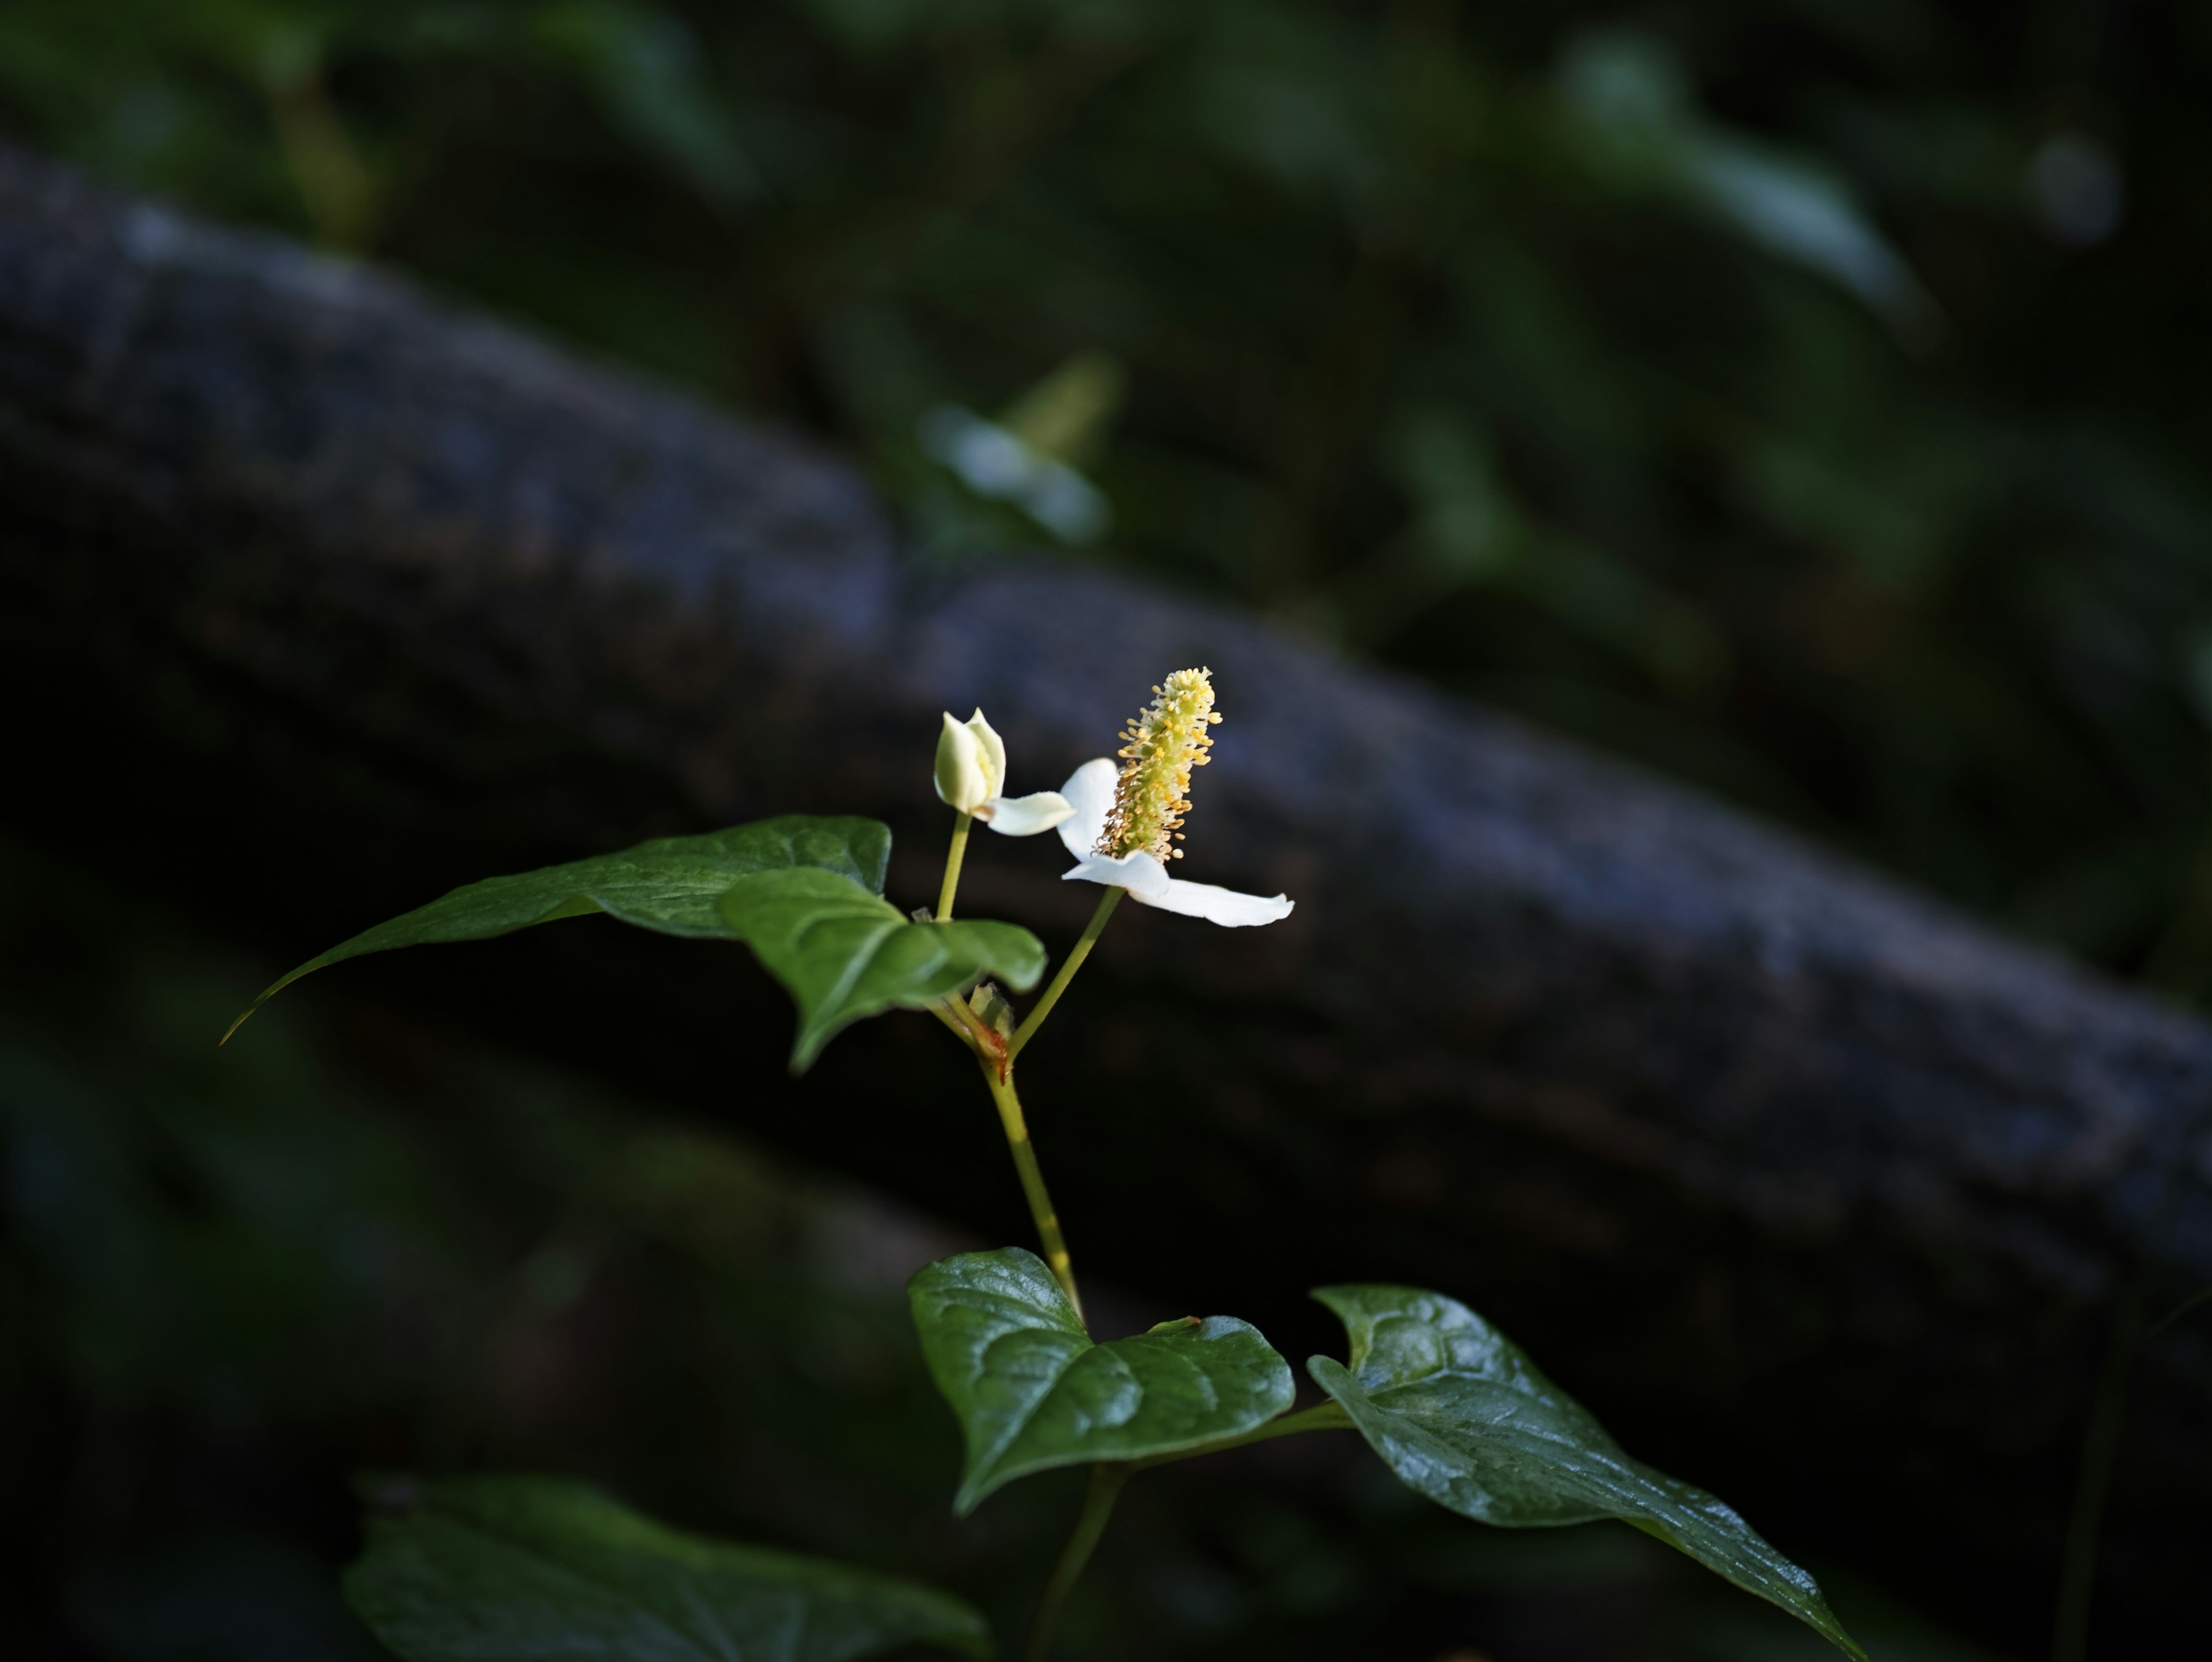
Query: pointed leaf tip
[[1463, 1416], [669, 884]]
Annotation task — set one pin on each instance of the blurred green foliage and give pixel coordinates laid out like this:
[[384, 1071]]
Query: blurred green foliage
[[1802, 398]]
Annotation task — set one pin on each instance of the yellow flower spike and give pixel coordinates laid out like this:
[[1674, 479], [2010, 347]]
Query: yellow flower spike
[[1125, 822], [1164, 743]]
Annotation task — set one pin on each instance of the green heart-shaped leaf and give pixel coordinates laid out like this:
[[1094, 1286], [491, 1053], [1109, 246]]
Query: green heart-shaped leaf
[[1459, 1412], [1032, 1392], [486, 1569], [843, 953], [670, 884]]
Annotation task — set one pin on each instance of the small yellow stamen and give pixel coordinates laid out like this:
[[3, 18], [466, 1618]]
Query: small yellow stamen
[[1164, 743]]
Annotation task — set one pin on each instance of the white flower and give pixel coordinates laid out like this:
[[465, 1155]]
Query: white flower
[[971, 766], [1137, 808], [994, 462]]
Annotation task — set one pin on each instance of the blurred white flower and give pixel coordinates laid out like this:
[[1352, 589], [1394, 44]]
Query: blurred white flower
[[993, 462]]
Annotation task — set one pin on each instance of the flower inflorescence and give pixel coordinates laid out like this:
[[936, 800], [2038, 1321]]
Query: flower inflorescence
[[1164, 743]]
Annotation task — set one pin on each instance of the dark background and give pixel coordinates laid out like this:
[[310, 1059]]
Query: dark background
[[1803, 399]]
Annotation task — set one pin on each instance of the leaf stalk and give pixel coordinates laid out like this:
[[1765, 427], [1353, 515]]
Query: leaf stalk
[[1106, 1477], [1091, 931], [958, 852], [943, 1011], [2100, 1444], [1041, 1207], [988, 1045], [1324, 1416]]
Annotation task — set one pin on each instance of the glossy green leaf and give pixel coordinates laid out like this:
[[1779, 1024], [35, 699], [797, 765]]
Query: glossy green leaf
[[843, 953], [1459, 1412], [670, 884], [1032, 1392], [493, 1569]]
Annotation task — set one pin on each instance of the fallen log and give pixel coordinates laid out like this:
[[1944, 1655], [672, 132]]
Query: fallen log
[[321, 596]]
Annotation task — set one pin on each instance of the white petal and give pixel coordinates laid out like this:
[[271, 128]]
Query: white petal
[[1226, 907], [1140, 874], [991, 753], [1089, 792], [959, 769], [1024, 816]]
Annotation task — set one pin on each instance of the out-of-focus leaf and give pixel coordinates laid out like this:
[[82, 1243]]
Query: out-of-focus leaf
[[1032, 1392], [1801, 213], [1460, 1413], [643, 65], [1470, 528], [1470, 531], [843, 953], [1629, 86], [485, 1569], [874, 25], [669, 884], [1066, 415]]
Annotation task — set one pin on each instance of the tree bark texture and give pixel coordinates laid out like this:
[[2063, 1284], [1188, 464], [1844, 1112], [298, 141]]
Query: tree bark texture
[[321, 596]]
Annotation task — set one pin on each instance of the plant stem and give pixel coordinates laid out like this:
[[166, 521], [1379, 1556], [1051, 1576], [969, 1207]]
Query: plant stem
[[1106, 1480], [2180, 1309], [1327, 1417], [2100, 1444], [959, 1015], [943, 1011], [952, 860], [1091, 933], [1041, 1208]]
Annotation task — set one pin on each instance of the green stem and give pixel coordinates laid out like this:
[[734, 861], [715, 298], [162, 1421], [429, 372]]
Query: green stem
[[957, 1013], [1327, 1416], [1091, 933], [2100, 1444], [952, 866], [1041, 1207], [942, 1012], [1106, 1480], [2180, 1309]]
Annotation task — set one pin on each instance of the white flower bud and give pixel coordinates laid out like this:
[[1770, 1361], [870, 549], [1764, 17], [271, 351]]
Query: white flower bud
[[971, 772], [962, 783]]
